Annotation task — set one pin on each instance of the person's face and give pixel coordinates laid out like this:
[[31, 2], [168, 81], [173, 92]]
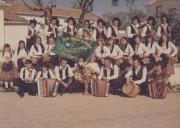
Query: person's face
[[7, 49], [63, 63], [138, 41], [119, 62], [85, 34], [149, 39], [164, 37], [136, 64], [53, 22], [81, 60], [124, 41], [70, 22], [38, 41], [164, 20], [100, 25], [150, 22], [107, 63], [21, 46], [86, 24], [116, 23], [32, 25], [93, 59], [51, 41], [29, 66], [111, 42], [100, 42], [135, 21]]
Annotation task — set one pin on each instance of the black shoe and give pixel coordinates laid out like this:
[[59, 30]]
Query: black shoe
[[62, 92], [21, 94]]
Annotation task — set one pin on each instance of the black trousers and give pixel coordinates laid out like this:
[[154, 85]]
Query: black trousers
[[30, 42], [144, 88], [114, 86], [30, 88]]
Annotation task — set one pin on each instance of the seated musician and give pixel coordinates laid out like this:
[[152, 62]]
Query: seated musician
[[50, 57], [109, 72], [63, 74], [21, 55], [138, 75], [36, 52], [27, 80]]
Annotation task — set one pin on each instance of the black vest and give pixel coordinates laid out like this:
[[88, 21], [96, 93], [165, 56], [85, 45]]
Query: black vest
[[113, 33], [148, 30], [132, 30], [162, 29], [66, 73], [50, 29], [48, 75], [137, 76], [111, 72], [100, 34]]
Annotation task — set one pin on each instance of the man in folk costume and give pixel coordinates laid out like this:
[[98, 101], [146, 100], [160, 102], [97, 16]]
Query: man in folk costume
[[86, 26], [70, 28], [133, 29], [31, 33], [26, 83], [109, 72], [99, 31], [53, 28], [138, 75], [114, 30], [164, 27], [63, 74], [149, 28]]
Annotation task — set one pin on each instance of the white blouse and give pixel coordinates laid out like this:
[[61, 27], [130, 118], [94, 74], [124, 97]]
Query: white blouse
[[141, 50], [152, 49], [171, 50], [128, 51], [99, 54], [116, 52], [33, 51], [5, 56]]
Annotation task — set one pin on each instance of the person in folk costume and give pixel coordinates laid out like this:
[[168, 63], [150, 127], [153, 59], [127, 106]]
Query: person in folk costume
[[169, 51], [21, 55], [133, 29], [101, 51], [50, 57], [63, 74], [70, 28], [113, 50], [36, 53], [31, 33], [164, 27], [127, 49], [114, 30], [45, 72], [86, 35], [138, 75], [86, 26], [80, 62], [110, 73], [8, 70], [153, 49], [140, 49], [100, 30], [52, 28], [27, 80], [149, 28]]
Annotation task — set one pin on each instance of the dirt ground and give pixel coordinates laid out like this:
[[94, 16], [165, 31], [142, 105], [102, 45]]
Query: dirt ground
[[77, 111]]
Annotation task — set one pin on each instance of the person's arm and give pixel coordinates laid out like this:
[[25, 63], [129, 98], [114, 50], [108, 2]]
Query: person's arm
[[33, 75], [174, 49], [145, 50], [101, 73], [120, 52], [22, 73], [70, 71], [47, 32], [109, 32], [38, 76], [94, 35], [128, 32], [57, 73], [158, 48], [144, 30], [116, 73], [131, 51], [143, 79], [159, 31], [31, 52], [52, 75]]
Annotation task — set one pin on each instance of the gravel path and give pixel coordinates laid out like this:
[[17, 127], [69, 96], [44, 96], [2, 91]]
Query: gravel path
[[77, 111]]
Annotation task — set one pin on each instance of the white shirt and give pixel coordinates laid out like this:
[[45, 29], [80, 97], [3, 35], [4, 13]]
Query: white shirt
[[152, 50], [29, 28], [143, 79], [109, 77], [128, 31], [29, 74], [116, 52], [141, 50], [94, 66], [33, 51], [165, 26], [128, 51], [5, 56], [95, 32], [58, 68], [71, 27], [48, 49], [144, 30], [172, 50], [45, 75], [99, 54], [48, 33]]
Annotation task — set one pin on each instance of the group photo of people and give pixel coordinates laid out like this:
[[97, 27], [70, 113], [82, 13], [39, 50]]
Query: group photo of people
[[136, 61]]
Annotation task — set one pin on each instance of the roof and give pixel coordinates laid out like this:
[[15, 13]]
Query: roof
[[3, 3], [13, 13]]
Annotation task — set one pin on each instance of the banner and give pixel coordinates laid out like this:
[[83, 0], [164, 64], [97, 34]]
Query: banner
[[72, 47]]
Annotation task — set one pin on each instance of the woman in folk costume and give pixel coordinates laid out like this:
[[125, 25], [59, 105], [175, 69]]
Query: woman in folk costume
[[70, 28], [99, 31], [21, 55], [63, 74], [164, 27], [86, 26], [36, 53], [138, 75], [31, 33], [169, 52], [52, 28], [101, 51], [153, 49], [86, 34], [149, 28], [114, 50], [114, 30], [50, 57], [110, 72], [26, 83], [133, 29], [8, 71]]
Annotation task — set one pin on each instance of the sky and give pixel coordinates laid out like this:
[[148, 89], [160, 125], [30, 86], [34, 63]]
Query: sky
[[100, 5]]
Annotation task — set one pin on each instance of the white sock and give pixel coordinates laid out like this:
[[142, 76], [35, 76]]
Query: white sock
[[6, 85], [11, 84]]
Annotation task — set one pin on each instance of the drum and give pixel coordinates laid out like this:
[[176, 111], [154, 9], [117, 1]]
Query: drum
[[173, 60], [99, 88], [131, 89], [46, 87]]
